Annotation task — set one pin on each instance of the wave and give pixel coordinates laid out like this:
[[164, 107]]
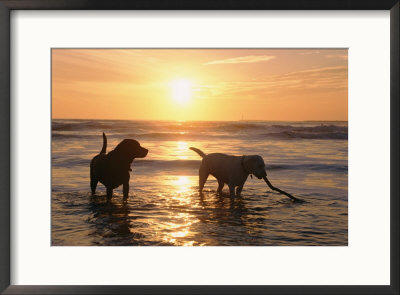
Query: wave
[[166, 136], [309, 132], [305, 135], [152, 130], [81, 125], [73, 135], [319, 128], [314, 167]]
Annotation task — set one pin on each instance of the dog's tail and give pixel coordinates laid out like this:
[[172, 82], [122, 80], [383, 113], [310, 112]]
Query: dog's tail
[[201, 154], [104, 148]]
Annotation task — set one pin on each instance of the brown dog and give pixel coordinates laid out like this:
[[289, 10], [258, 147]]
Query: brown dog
[[112, 169]]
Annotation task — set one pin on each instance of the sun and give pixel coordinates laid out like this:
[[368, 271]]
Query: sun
[[182, 90]]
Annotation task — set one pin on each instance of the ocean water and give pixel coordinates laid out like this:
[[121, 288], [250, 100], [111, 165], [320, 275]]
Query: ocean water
[[306, 159]]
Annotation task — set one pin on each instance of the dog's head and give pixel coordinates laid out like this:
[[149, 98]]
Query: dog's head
[[131, 149], [255, 165]]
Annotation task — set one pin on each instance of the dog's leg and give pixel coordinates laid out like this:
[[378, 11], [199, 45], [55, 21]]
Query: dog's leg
[[239, 190], [93, 185], [220, 186], [93, 181], [231, 190], [109, 193], [203, 175], [125, 189]]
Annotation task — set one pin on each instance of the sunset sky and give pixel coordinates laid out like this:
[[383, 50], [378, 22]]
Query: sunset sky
[[200, 84]]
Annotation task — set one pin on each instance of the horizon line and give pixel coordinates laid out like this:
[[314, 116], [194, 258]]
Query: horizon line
[[177, 120]]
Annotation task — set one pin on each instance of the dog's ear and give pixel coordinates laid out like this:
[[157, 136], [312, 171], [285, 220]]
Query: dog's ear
[[123, 147], [248, 163], [252, 163], [255, 165], [128, 147]]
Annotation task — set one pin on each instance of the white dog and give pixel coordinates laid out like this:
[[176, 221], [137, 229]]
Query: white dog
[[232, 170]]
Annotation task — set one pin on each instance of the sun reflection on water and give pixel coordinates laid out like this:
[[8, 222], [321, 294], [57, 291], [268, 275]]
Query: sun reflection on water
[[182, 149], [182, 184], [180, 234], [177, 230]]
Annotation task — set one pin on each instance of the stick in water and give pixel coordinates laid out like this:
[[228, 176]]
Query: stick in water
[[281, 191]]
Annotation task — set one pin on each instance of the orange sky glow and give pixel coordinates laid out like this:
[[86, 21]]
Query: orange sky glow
[[200, 84]]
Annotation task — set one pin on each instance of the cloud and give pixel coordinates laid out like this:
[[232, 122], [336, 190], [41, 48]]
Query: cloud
[[105, 65], [310, 52], [332, 54], [242, 59], [324, 79], [338, 56]]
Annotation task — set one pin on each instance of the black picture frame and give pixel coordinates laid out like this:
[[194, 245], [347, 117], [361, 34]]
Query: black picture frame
[[6, 6]]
